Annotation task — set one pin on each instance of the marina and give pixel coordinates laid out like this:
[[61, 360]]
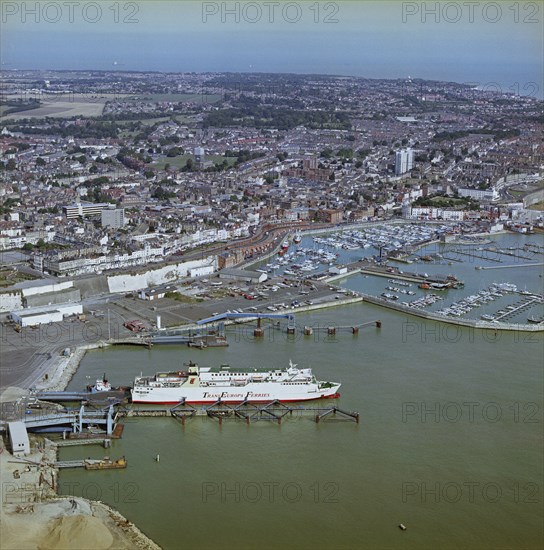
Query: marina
[[480, 299], [383, 372], [385, 375]]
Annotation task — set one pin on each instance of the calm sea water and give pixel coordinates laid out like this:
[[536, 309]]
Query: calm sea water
[[449, 443]]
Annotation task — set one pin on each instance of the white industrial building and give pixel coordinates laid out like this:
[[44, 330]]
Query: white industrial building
[[45, 314], [490, 194], [18, 437], [201, 271]]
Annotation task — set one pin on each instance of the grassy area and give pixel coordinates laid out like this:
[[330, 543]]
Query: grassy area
[[185, 119], [66, 106], [182, 298], [440, 201], [179, 162], [537, 206], [125, 134], [174, 162], [145, 121], [196, 98], [9, 277]]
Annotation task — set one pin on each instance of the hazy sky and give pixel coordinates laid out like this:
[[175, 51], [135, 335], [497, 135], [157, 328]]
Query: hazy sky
[[481, 42]]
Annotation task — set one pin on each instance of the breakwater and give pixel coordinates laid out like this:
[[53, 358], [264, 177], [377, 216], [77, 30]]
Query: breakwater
[[472, 323]]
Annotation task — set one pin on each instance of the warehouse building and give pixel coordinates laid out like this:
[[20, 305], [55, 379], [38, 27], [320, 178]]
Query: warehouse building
[[243, 275], [45, 314]]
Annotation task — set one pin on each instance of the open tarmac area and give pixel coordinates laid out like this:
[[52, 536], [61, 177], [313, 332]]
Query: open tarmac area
[[27, 356]]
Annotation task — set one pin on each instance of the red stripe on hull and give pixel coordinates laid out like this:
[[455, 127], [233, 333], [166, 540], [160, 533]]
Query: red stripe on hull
[[336, 395]]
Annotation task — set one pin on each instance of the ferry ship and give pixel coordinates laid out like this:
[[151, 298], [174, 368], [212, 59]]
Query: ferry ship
[[206, 385]]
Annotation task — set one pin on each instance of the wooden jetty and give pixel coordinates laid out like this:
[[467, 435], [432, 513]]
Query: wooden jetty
[[93, 464], [450, 259], [246, 411], [350, 415], [62, 464], [473, 255], [508, 253], [77, 441], [518, 308]]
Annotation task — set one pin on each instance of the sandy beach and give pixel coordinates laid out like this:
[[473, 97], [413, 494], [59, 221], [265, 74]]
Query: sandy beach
[[33, 516]]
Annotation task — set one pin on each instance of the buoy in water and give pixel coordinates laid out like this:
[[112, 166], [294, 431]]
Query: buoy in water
[[402, 527]]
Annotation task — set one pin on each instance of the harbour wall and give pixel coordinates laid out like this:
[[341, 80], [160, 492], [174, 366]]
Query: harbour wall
[[533, 198], [342, 275], [472, 323]]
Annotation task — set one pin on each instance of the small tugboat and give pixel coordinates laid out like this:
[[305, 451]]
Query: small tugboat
[[101, 385]]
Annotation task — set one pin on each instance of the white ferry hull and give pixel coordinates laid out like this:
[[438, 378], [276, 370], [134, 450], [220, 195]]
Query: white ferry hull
[[253, 392]]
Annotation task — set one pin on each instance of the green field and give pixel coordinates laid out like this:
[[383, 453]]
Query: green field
[[144, 122], [9, 277], [199, 98], [185, 119], [439, 201], [65, 106], [179, 162], [180, 119]]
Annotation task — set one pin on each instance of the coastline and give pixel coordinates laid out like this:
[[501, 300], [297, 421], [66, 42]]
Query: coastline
[[34, 515], [51, 514]]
